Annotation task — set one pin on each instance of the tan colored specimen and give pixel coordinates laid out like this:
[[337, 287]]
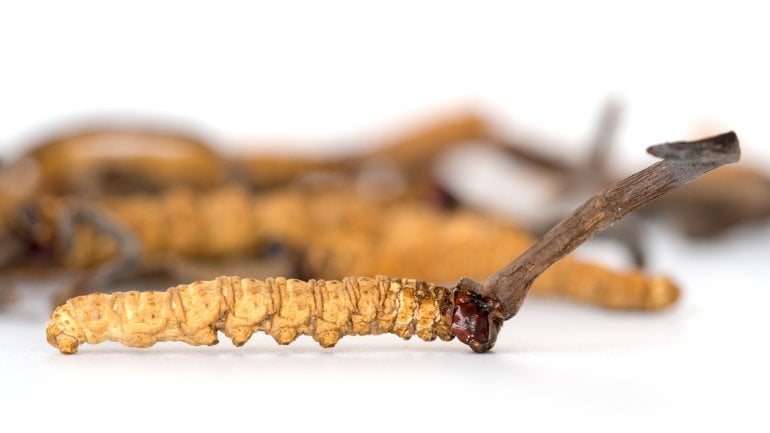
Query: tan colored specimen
[[409, 151], [435, 246], [342, 234], [225, 222], [120, 159], [285, 309]]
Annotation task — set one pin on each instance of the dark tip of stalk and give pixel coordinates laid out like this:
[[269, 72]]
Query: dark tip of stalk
[[720, 149]]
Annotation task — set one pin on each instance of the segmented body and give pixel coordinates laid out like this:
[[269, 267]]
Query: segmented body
[[283, 308]]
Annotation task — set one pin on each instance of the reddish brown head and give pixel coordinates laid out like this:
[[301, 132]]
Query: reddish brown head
[[476, 319]]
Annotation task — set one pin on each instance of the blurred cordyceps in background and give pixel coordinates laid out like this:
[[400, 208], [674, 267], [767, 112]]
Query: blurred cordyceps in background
[[110, 204], [719, 201]]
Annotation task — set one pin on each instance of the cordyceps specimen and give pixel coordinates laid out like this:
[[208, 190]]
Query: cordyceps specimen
[[119, 160], [413, 241], [410, 152], [328, 232], [327, 310]]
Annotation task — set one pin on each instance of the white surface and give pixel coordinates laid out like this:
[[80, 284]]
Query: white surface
[[336, 71]]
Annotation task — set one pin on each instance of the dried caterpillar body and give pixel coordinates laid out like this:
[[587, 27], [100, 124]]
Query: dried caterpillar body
[[285, 309], [177, 223], [341, 235], [228, 221], [412, 241], [600, 286], [108, 160]]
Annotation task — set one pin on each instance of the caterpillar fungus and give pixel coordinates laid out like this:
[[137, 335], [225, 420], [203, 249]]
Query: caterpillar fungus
[[327, 310], [341, 234], [283, 308]]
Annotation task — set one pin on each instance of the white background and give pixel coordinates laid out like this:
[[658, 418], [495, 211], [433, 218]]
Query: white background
[[333, 72]]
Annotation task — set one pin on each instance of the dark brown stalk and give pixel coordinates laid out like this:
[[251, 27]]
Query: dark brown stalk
[[682, 162]]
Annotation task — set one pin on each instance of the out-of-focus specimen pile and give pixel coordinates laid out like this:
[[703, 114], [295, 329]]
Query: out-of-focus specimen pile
[[110, 204]]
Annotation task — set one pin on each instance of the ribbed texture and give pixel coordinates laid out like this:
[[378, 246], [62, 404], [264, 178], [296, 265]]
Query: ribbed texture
[[285, 309]]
